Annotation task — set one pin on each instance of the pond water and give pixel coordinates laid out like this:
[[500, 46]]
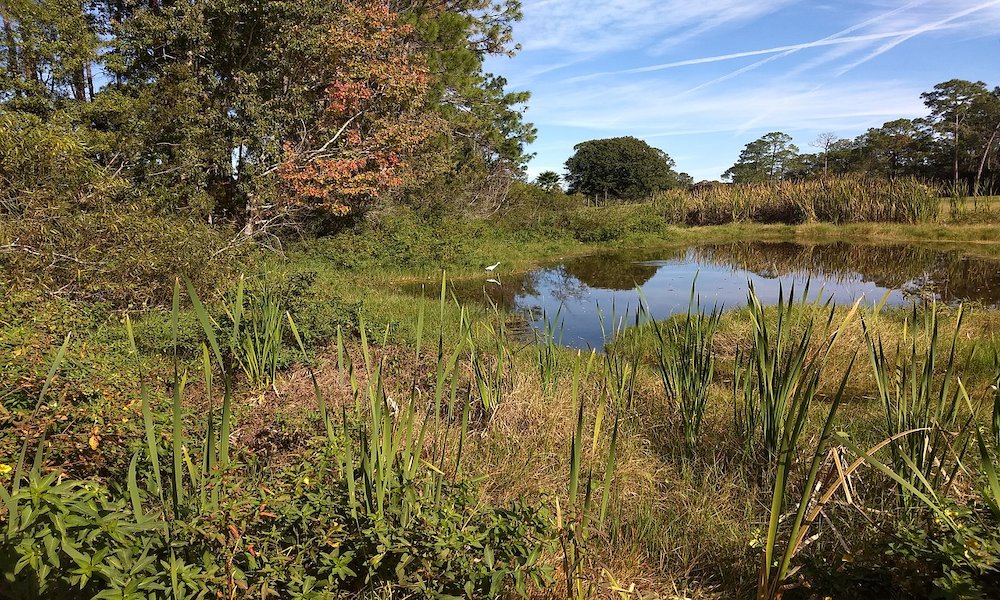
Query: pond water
[[585, 289]]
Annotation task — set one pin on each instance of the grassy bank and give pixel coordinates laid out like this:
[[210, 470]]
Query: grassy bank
[[591, 476], [580, 473]]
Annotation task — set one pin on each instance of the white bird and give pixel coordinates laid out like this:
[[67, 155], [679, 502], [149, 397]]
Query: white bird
[[490, 268], [497, 282]]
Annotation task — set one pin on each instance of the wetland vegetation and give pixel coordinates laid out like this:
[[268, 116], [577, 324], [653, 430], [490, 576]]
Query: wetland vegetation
[[249, 347]]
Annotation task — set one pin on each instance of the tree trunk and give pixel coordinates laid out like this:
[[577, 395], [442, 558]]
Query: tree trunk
[[982, 161], [955, 164], [28, 66], [79, 85], [90, 81]]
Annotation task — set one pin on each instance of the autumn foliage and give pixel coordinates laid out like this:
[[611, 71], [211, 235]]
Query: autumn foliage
[[374, 125]]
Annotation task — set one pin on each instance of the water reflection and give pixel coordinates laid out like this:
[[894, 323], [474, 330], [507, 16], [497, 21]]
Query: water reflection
[[607, 282]]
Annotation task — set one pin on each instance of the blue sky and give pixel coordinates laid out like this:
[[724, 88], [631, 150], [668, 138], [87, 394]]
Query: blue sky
[[701, 78]]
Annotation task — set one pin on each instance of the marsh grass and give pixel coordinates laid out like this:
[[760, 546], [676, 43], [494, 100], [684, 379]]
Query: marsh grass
[[598, 506], [491, 356], [922, 403], [575, 524], [830, 200], [686, 364], [548, 343], [257, 318], [782, 369], [620, 360]]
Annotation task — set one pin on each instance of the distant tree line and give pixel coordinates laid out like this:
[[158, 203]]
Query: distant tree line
[[958, 142]]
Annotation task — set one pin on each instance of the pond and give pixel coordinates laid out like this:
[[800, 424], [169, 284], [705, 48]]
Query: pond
[[587, 290]]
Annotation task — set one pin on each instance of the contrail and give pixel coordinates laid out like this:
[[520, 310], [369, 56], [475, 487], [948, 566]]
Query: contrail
[[775, 50], [836, 36], [920, 30]]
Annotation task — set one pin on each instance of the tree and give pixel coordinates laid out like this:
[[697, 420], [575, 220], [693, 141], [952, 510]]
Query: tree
[[825, 142], [986, 117], [902, 147], [486, 131], [46, 51], [548, 181], [843, 156], [768, 158], [620, 168], [206, 105], [950, 104], [373, 126]]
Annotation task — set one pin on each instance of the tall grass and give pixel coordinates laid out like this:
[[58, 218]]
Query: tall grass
[[548, 344], [491, 356], [782, 369], [846, 199], [574, 524], [257, 319], [621, 360], [921, 403], [382, 501], [782, 376], [686, 364]]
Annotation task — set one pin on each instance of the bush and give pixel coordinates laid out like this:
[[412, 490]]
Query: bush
[[44, 168], [934, 560], [610, 223], [126, 257]]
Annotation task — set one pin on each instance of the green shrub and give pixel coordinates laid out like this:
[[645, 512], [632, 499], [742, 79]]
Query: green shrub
[[317, 316], [931, 559], [443, 543], [611, 223], [73, 539], [127, 257]]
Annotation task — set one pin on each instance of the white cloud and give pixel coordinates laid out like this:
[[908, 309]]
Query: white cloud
[[780, 51], [686, 99], [664, 109], [597, 26]]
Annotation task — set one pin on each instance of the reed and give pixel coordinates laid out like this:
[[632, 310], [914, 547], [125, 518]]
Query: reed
[[921, 403], [257, 319], [548, 344], [491, 357], [782, 369], [686, 364], [787, 369], [621, 361], [848, 199], [576, 524]]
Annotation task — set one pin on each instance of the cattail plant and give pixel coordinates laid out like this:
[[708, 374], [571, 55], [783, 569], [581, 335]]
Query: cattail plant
[[548, 343], [574, 524], [787, 374], [621, 361], [686, 364], [492, 358], [781, 369], [921, 409]]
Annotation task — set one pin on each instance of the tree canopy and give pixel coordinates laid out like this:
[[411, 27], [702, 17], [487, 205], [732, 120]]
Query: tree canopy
[[620, 168], [548, 181], [251, 111], [769, 158]]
